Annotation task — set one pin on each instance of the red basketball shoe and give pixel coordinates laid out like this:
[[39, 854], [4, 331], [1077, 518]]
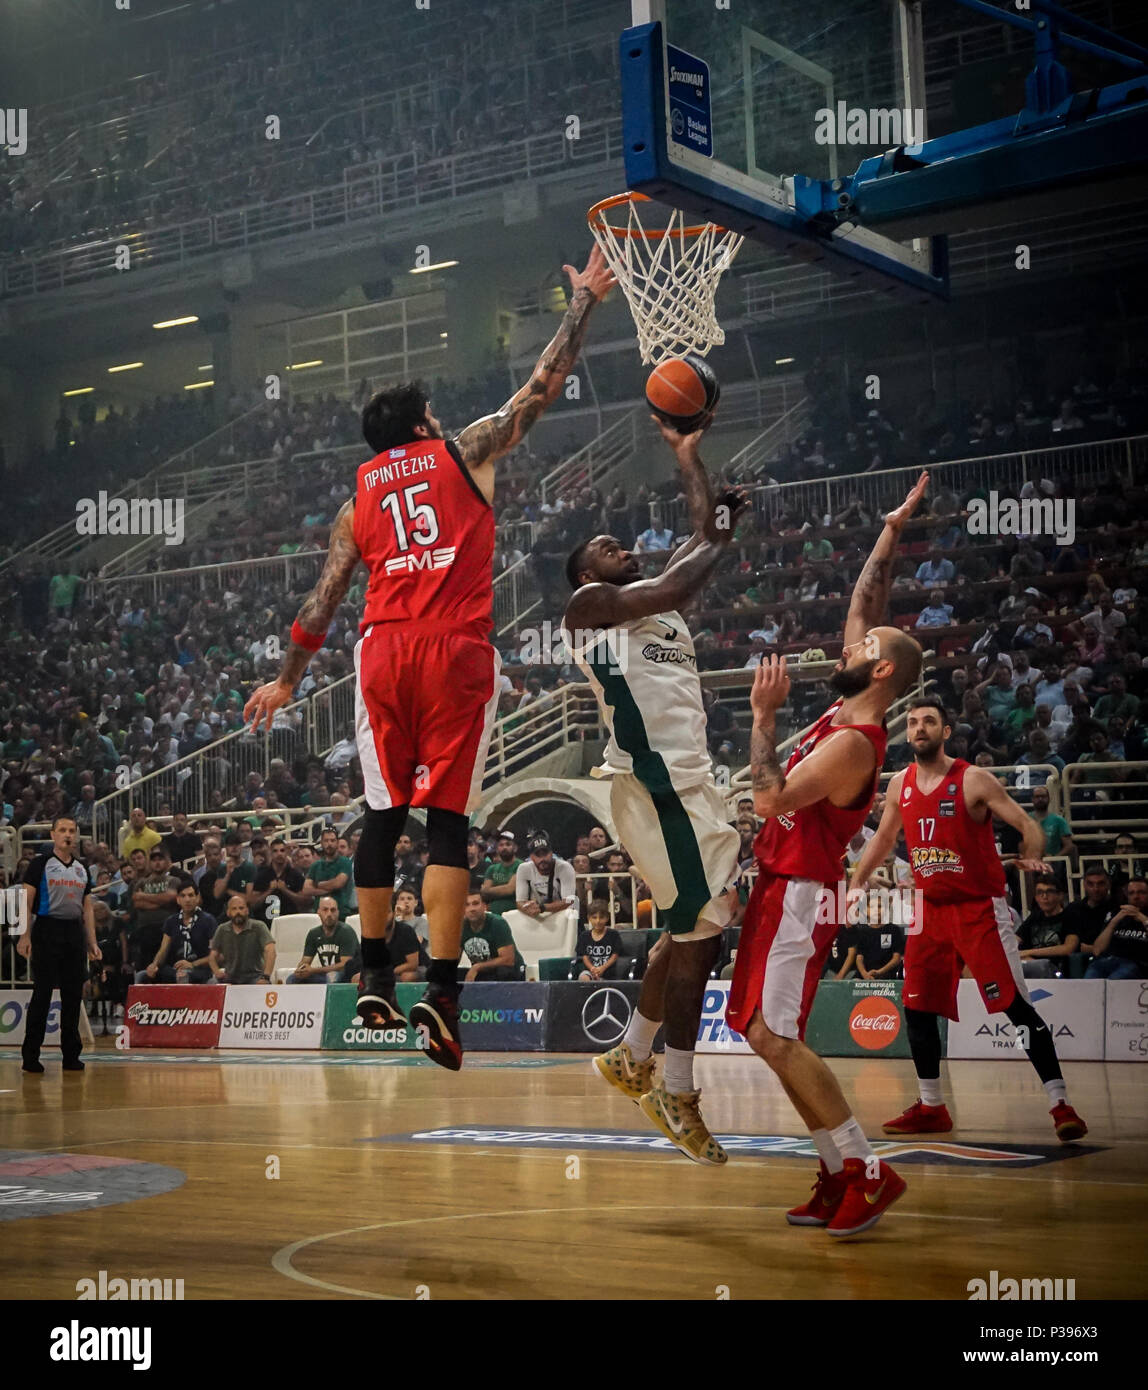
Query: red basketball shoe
[[921, 1119], [865, 1199], [828, 1191], [1069, 1125]]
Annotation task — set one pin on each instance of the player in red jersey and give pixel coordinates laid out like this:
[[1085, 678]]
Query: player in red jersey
[[812, 810], [946, 809], [422, 521]]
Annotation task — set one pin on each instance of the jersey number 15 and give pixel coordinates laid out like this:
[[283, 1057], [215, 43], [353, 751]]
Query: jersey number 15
[[420, 525]]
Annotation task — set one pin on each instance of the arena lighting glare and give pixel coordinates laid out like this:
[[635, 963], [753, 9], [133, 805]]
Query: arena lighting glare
[[207, 367], [438, 265], [302, 366], [198, 385], [126, 367], [177, 323], [781, 361], [80, 391]]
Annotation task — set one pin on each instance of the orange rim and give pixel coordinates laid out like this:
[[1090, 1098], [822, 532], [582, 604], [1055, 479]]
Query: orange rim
[[596, 217]]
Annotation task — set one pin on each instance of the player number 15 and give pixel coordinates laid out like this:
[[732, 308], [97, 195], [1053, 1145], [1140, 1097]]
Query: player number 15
[[423, 522]]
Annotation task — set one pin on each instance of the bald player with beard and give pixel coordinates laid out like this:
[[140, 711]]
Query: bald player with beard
[[812, 808]]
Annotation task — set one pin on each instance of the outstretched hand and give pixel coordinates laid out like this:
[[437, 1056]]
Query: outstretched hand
[[722, 520], [264, 702], [901, 514], [685, 446], [770, 686], [598, 278]]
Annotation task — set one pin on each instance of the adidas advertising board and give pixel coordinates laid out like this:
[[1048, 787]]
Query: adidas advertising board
[[273, 1016]]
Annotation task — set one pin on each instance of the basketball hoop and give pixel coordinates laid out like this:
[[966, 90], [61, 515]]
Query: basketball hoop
[[669, 274]]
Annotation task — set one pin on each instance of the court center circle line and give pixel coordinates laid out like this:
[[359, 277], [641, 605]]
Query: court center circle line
[[281, 1260]]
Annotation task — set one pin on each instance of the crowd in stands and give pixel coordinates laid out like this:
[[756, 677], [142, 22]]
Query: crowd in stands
[[196, 141], [1038, 649]]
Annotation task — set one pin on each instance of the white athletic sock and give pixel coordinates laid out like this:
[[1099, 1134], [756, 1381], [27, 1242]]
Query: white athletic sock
[[850, 1140], [830, 1153], [640, 1035], [678, 1072], [1056, 1090], [931, 1090]]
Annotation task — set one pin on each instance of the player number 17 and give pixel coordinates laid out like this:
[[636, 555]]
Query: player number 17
[[423, 527], [931, 824]]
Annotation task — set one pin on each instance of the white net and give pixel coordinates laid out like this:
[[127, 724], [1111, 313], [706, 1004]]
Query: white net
[[669, 275]]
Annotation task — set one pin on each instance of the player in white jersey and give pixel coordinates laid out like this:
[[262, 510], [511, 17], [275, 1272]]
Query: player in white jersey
[[626, 633]]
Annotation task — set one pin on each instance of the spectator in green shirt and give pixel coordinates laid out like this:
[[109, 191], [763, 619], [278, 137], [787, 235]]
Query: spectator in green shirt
[[498, 885], [330, 874], [62, 591], [327, 949], [1118, 702], [242, 951], [997, 693], [1057, 832], [488, 943], [1021, 715]]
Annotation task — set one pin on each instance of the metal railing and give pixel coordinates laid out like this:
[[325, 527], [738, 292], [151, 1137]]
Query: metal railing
[[1087, 463], [516, 595], [178, 476], [203, 780], [1062, 244], [1105, 797], [197, 519], [787, 428], [282, 572], [402, 183], [592, 465], [520, 738]]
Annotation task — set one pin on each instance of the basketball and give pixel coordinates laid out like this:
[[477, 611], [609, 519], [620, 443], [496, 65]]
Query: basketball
[[682, 390]]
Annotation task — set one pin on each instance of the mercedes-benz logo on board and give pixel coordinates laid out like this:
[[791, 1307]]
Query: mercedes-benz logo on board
[[605, 1016]]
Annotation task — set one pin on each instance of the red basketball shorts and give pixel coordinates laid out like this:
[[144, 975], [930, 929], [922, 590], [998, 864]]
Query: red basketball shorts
[[425, 703], [780, 955], [978, 933]]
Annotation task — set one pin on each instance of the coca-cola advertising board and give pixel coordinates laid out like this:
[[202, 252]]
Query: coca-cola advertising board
[[858, 1018]]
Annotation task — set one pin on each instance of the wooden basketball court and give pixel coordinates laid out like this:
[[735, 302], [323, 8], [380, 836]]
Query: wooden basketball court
[[498, 1216]]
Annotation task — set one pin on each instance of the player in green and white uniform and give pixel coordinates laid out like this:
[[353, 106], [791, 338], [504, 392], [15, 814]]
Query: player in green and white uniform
[[627, 634]]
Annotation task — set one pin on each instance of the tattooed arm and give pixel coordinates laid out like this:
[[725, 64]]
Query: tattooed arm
[[871, 595], [314, 617], [494, 435], [840, 768]]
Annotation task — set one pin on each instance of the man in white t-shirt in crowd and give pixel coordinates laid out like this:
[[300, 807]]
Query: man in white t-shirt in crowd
[[544, 884]]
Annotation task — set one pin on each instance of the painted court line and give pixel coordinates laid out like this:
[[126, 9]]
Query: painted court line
[[281, 1260]]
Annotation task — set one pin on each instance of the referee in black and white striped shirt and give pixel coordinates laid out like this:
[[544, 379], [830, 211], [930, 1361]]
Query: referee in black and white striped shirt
[[60, 942]]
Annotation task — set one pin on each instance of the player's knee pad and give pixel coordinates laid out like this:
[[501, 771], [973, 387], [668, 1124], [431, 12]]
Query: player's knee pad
[[446, 837], [375, 856]]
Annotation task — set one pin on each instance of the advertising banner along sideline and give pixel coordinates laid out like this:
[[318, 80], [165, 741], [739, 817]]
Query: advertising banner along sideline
[[1126, 1021], [341, 1033], [858, 1018], [588, 1017], [289, 1016], [174, 1015], [1073, 1010], [13, 1014]]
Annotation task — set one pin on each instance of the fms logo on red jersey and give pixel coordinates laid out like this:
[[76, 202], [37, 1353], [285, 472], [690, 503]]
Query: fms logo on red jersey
[[425, 560]]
